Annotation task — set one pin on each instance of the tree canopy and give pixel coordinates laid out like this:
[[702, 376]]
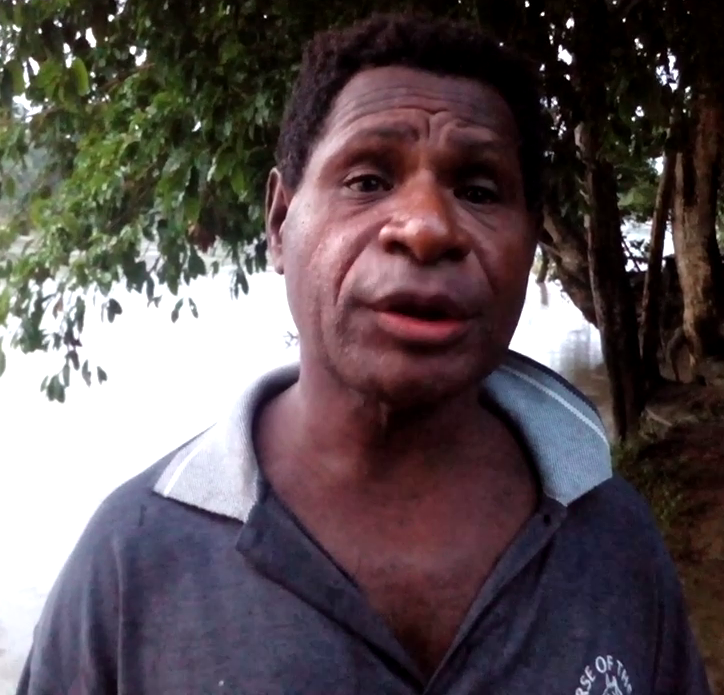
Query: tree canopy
[[146, 122]]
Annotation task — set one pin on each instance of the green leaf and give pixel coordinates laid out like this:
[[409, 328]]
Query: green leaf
[[177, 310], [80, 313], [192, 208], [86, 373], [150, 289], [136, 274], [172, 280], [6, 270], [197, 266], [8, 186], [55, 390], [241, 282], [48, 76], [113, 309], [66, 374], [15, 68], [5, 298], [102, 376], [3, 360], [7, 91], [18, 13], [223, 164], [80, 75], [74, 360], [194, 308], [239, 182]]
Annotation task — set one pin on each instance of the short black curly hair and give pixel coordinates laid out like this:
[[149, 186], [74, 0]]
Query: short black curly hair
[[435, 45]]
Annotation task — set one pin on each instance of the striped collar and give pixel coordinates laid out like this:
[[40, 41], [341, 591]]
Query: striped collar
[[218, 471]]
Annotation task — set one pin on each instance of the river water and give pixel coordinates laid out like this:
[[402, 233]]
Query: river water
[[167, 382]]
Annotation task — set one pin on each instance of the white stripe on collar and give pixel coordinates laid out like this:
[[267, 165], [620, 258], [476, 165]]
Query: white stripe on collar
[[218, 470]]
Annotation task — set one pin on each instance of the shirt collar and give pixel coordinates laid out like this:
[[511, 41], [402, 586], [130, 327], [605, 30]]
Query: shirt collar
[[218, 470]]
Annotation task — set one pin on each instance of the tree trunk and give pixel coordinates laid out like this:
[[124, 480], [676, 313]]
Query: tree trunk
[[566, 247], [650, 333], [612, 293], [694, 230]]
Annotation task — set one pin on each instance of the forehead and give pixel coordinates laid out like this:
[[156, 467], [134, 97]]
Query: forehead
[[378, 94]]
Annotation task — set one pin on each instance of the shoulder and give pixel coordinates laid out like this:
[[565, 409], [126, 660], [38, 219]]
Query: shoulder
[[609, 535], [80, 617], [618, 517], [135, 523], [124, 517], [122, 513], [616, 500], [638, 556]]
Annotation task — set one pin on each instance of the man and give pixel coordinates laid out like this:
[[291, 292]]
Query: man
[[412, 508]]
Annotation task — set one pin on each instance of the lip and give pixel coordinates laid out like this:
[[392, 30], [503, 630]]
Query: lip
[[423, 318], [420, 331], [447, 306]]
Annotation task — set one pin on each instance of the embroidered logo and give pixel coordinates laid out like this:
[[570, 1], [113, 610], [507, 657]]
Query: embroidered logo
[[606, 676]]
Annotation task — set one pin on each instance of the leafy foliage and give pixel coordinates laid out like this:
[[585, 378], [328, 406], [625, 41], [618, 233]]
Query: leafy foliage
[[151, 125]]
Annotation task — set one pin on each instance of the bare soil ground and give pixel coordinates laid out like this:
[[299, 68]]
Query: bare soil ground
[[679, 465]]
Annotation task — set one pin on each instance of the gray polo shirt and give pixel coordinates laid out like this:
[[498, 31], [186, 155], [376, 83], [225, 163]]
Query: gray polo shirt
[[193, 578]]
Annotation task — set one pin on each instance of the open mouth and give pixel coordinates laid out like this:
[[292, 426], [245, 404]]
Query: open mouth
[[421, 312], [432, 309], [431, 321]]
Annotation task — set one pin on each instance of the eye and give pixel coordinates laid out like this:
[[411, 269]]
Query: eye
[[477, 194], [367, 183]]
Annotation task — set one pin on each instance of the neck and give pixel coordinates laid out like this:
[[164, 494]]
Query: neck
[[344, 437]]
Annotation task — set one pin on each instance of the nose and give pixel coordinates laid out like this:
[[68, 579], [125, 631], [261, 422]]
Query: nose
[[424, 227]]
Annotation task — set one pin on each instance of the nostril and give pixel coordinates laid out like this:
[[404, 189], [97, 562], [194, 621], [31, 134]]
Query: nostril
[[395, 248], [453, 254], [456, 254]]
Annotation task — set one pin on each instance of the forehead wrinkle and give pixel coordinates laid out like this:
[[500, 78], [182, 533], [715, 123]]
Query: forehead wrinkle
[[375, 98], [460, 139], [470, 111], [393, 93], [462, 136], [472, 140], [451, 132]]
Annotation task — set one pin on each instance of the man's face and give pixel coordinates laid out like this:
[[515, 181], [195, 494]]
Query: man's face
[[407, 245]]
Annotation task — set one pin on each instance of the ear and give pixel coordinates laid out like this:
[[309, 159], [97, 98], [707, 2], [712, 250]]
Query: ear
[[276, 208]]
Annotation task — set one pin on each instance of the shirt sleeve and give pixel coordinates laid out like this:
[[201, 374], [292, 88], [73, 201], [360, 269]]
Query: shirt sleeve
[[73, 651], [679, 666]]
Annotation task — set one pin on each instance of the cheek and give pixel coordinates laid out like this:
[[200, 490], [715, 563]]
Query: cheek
[[507, 255], [296, 257], [336, 250], [309, 256]]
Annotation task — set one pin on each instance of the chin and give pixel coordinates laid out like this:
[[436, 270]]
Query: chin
[[410, 382]]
